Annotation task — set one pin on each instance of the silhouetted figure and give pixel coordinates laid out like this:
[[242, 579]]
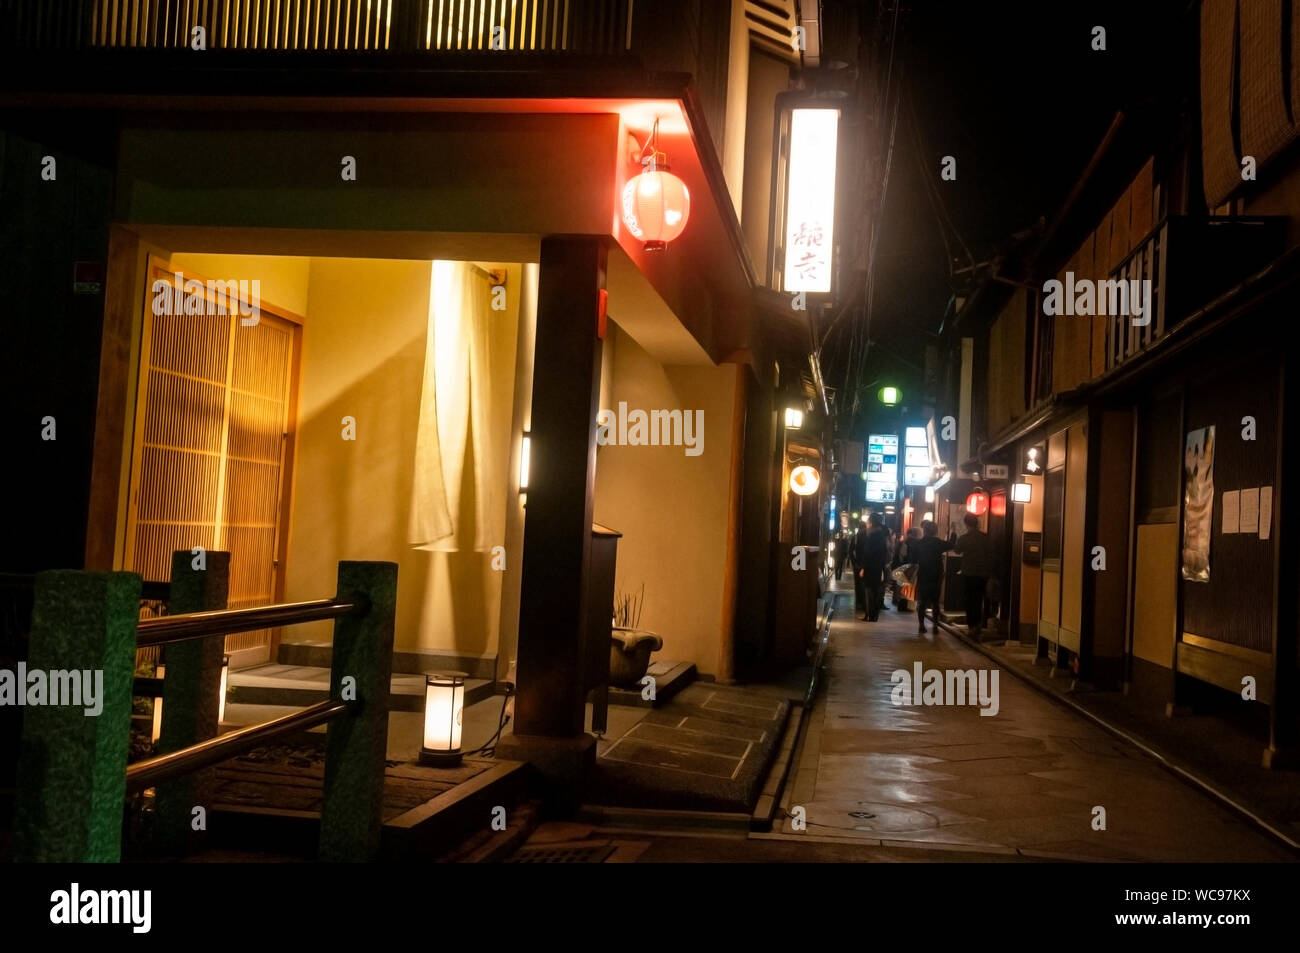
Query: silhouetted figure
[[856, 543], [976, 566], [871, 555], [927, 552]]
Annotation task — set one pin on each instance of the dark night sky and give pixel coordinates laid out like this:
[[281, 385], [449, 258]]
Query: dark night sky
[[1015, 93]]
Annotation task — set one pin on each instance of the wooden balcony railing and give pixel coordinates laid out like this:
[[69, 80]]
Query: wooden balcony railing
[[1126, 335], [1188, 262], [594, 27]]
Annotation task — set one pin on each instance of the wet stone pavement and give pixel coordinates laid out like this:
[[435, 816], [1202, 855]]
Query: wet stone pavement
[[1023, 781]]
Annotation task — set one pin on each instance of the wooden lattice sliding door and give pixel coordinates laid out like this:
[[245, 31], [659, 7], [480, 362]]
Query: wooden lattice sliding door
[[213, 448]]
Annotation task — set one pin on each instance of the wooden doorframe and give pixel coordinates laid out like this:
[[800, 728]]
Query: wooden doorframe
[[1054, 566], [115, 402], [287, 454], [135, 415]]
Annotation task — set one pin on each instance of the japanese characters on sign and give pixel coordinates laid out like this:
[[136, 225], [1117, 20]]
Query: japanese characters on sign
[[810, 204]]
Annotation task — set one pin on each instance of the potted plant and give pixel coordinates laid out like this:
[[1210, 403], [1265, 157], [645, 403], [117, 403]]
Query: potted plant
[[630, 646]]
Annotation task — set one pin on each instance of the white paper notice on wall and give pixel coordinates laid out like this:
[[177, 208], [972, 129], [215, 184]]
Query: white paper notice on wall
[[1250, 510], [1231, 509], [1265, 511]]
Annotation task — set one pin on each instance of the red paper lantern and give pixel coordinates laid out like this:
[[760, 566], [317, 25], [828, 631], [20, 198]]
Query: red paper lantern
[[998, 505], [656, 207], [977, 503]]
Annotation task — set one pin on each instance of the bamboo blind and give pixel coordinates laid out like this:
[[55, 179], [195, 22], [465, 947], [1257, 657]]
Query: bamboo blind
[[213, 408], [597, 26]]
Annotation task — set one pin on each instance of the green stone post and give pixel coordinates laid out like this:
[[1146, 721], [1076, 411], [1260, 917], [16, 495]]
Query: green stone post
[[191, 698], [71, 765], [356, 744]]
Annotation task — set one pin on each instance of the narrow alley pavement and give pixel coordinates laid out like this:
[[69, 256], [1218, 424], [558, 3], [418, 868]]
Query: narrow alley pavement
[[1026, 781]]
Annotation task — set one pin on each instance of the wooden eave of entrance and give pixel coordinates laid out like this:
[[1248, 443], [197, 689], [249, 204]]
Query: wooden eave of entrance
[[705, 277]]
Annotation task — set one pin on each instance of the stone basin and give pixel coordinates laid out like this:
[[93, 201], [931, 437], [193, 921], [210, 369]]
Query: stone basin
[[629, 654]]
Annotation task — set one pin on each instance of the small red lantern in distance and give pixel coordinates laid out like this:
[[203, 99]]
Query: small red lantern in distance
[[977, 503]]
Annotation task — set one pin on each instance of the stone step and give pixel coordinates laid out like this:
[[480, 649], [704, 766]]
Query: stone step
[[670, 678], [270, 801], [708, 750]]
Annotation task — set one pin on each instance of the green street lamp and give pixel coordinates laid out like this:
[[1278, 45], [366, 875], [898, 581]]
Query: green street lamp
[[889, 396]]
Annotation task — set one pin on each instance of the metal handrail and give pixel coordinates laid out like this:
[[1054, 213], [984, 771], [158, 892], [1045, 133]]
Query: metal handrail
[[146, 774], [197, 625]]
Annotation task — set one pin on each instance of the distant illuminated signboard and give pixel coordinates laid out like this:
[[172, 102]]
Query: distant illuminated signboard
[[917, 476], [918, 466], [882, 468], [882, 449]]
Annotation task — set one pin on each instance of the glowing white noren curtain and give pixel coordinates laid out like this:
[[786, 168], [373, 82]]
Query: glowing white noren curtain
[[452, 446]]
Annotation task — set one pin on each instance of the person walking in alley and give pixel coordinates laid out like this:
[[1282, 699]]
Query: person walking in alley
[[870, 559], [839, 552], [927, 552], [976, 566], [854, 544]]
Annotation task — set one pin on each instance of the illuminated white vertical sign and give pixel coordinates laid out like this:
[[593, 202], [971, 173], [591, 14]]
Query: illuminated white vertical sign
[[810, 199], [882, 468]]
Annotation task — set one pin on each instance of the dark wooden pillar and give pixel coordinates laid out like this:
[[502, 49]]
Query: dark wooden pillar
[[561, 483]]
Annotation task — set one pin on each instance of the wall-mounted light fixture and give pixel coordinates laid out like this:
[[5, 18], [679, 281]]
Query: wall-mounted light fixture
[[225, 682], [656, 204], [156, 733], [793, 418], [444, 706], [1021, 492], [889, 396], [929, 494], [524, 453]]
